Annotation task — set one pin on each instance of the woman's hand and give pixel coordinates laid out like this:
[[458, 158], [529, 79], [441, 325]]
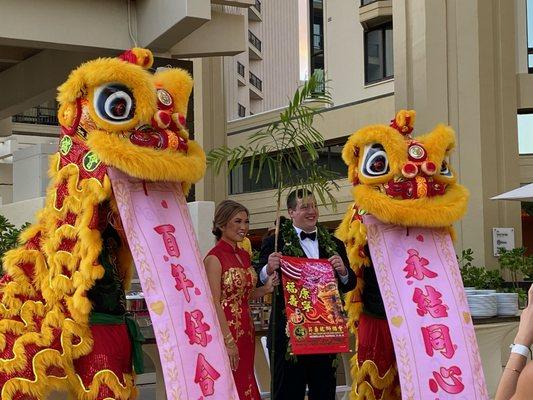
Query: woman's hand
[[272, 282], [525, 329], [233, 353]]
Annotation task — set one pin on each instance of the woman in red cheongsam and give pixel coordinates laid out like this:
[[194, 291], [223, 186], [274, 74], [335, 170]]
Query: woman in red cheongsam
[[232, 280]]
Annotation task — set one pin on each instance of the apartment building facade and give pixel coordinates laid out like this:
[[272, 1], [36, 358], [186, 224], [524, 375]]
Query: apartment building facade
[[461, 63], [266, 74], [467, 64]]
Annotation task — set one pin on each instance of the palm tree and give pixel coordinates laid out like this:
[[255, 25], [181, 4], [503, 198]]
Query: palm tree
[[288, 150]]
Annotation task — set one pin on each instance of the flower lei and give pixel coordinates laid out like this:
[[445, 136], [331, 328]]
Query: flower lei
[[291, 242], [291, 248]]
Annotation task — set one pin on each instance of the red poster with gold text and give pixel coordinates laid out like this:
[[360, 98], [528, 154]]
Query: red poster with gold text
[[315, 314]]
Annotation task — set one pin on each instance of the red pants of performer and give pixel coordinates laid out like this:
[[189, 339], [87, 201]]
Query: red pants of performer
[[376, 359], [112, 351]]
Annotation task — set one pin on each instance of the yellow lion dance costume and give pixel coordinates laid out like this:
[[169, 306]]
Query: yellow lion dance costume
[[62, 305], [403, 181]]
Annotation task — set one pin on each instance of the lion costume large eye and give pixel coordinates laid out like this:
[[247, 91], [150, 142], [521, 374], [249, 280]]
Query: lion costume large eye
[[375, 161], [114, 103]]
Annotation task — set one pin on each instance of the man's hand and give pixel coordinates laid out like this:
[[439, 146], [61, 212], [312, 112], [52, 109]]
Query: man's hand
[[338, 264], [273, 263]]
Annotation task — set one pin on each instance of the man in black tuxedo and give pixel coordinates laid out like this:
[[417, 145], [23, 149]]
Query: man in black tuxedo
[[317, 371]]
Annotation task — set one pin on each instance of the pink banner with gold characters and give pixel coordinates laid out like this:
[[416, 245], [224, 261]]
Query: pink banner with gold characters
[[163, 243], [428, 314]]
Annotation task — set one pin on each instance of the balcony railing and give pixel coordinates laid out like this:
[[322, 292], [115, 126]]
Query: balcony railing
[[254, 40], [240, 69], [37, 115], [256, 82], [258, 6]]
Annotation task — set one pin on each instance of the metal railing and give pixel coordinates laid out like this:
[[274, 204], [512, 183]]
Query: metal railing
[[240, 69], [37, 115], [254, 40], [255, 81], [258, 6]]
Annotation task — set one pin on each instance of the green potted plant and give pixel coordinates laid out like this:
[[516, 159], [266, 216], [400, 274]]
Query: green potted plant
[[8, 237], [478, 277], [518, 263], [508, 299]]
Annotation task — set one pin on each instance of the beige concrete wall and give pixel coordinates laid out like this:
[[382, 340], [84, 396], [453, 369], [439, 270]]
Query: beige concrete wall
[[524, 91], [344, 54], [526, 169], [210, 122], [22, 211], [6, 183], [521, 36], [223, 34]]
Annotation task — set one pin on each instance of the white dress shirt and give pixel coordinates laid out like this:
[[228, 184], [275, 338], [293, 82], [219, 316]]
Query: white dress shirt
[[310, 248]]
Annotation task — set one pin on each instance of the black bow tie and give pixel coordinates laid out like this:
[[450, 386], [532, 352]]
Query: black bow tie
[[305, 235]]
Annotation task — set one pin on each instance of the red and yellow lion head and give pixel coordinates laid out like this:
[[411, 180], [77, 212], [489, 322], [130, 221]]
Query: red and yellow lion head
[[404, 180], [131, 119]]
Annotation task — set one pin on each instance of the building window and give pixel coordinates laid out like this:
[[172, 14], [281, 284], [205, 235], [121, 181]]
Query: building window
[[529, 8], [240, 69], [525, 134], [367, 2], [329, 157], [242, 110], [254, 40], [255, 81], [316, 19], [379, 63]]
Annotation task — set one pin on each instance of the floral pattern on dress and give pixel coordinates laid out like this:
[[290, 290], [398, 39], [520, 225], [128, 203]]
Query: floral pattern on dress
[[238, 284]]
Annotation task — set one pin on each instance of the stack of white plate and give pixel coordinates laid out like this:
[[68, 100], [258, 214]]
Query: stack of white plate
[[507, 304], [483, 305], [485, 291]]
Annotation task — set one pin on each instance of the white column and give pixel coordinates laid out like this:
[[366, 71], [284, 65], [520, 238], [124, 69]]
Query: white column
[[202, 213]]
